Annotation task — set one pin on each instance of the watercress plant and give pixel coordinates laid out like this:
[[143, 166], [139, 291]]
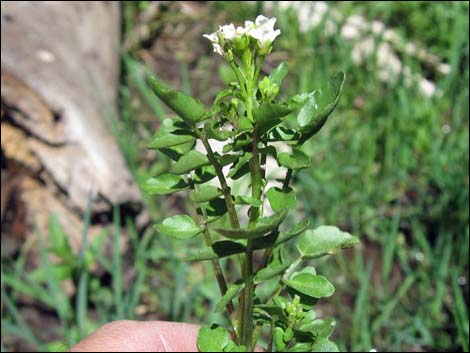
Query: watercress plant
[[253, 124]]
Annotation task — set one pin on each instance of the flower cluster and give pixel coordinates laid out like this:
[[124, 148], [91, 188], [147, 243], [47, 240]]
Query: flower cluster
[[230, 38]]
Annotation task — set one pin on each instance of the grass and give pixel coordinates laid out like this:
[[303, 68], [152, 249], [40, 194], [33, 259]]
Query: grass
[[390, 166]]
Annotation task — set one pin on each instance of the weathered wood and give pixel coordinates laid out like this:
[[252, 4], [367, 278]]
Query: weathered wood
[[59, 78]]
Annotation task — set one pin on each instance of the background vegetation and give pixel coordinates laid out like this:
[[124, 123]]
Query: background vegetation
[[391, 166]]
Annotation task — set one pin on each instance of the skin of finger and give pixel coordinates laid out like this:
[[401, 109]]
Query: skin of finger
[[134, 336]]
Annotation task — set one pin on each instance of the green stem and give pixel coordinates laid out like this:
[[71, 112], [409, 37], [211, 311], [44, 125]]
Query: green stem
[[256, 190], [248, 297], [287, 179], [223, 183], [271, 336], [201, 218], [234, 222]]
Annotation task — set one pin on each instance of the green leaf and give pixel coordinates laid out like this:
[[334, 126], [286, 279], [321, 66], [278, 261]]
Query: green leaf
[[297, 160], [319, 106], [59, 241], [281, 133], [177, 126], [278, 338], [207, 193], [314, 286], [238, 143], [296, 230], [180, 227], [190, 161], [279, 73], [324, 240], [218, 249], [204, 174], [266, 242], [241, 167], [212, 130], [212, 338], [269, 115], [175, 138], [309, 269], [188, 108], [319, 327], [221, 95], [164, 184], [270, 272], [280, 199], [215, 209], [324, 345], [60, 272], [227, 159], [262, 227], [232, 291], [248, 200]]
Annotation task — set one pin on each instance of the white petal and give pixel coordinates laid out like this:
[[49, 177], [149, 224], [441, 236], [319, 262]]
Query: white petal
[[260, 20], [228, 31], [212, 37]]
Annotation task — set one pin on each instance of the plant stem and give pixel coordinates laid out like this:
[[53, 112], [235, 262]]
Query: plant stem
[[271, 336], [256, 190], [223, 183], [248, 297], [215, 263], [287, 179], [232, 213]]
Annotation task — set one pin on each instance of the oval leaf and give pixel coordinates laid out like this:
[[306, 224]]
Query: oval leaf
[[324, 240], [180, 227], [319, 106], [188, 108], [218, 249], [270, 272], [172, 139], [297, 160], [212, 338], [164, 184], [280, 199], [207, 193], [190, 161], [314, 286]]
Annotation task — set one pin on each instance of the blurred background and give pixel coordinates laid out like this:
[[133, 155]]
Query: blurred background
[[391, 166]]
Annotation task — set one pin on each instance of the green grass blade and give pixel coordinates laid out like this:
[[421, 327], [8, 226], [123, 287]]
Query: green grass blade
[[82, 293], [117, 264]]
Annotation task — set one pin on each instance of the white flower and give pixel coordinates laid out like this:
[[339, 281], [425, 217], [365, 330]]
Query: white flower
[[262, 30], [228, 32], [214, 38]]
